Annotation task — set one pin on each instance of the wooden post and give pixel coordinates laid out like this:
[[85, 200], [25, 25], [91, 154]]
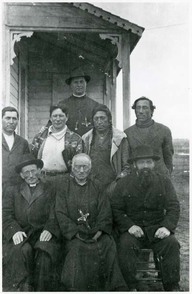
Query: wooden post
[[113, 93], [125, 50]]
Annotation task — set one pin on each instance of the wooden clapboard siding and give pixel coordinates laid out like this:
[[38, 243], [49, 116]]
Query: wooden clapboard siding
[[40, 98], [54, 16]]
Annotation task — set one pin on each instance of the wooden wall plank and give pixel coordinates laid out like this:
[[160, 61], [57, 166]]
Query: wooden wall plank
[[54, 16]]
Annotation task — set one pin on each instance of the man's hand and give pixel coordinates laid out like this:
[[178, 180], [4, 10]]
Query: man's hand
[[18, 237], [162, 233], [97, 235], [45, 236], [136, 231]]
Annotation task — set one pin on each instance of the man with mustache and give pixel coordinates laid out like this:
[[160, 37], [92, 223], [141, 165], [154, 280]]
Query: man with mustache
[[13, 146], [148, 132], [146, 213]]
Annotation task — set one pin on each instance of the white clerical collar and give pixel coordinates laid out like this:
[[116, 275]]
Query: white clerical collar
[[32, 185], [78, 96]]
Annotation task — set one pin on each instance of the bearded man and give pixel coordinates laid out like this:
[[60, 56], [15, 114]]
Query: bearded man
[[146, 213]]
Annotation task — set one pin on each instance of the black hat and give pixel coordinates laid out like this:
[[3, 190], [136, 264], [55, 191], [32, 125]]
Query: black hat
[[143, 151], [76, 73], [28, 159]]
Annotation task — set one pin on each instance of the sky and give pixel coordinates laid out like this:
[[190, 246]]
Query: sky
[[160, 62]]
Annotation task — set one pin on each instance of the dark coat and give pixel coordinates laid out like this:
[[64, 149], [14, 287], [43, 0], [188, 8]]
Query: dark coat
[[32, 214], [21, 212], [159, 138], [80, 113], [88, 265], [12, 158], [91, 200], [119, 153], [150, 209]]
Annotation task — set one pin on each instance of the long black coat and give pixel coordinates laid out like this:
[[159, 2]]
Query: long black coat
[[150, 209], [31, 214], [88, 266]]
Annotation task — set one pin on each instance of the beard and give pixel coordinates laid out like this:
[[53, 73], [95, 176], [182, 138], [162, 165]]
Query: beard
[[146, 177]]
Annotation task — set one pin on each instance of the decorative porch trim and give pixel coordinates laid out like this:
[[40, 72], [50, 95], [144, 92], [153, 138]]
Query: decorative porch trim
[[16, 37], [115, 40]]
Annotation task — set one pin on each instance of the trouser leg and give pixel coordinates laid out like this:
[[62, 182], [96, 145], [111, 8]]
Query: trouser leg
[[168, 252], [128, 249], [43, 277]]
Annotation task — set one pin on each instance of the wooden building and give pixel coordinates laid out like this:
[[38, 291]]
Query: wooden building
[[44, 41]]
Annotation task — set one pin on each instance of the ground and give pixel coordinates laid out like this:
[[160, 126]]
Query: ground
[[181, 183]]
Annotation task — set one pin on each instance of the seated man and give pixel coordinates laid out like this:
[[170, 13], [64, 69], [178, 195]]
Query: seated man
[[30, 231], [146, 213], [85, 220], [108, 149], [57, 145]]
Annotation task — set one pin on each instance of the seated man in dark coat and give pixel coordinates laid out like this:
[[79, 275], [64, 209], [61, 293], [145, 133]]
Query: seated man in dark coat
[[85, 220], [30, 231], [146, 213]]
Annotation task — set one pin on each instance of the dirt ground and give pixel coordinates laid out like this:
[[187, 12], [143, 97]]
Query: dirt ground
[[181, 183]]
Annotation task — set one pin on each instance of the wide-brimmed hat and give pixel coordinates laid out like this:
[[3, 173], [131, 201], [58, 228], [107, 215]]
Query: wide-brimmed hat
[[28, 159], [76, 73], [141, 152]]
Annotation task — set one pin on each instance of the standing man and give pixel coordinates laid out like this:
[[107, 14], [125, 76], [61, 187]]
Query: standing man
[[13, 146], [85, 219], [146, 213], [79, 104], [108, 149], [147, 131], [30, 231], [58, 145]]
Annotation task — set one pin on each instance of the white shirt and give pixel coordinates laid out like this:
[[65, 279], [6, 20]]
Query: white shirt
[[9, 139], [52, 151]]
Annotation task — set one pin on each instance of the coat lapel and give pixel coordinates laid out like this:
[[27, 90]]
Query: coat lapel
[[4, 143], [116, 141], [37, 192], [25, 191]]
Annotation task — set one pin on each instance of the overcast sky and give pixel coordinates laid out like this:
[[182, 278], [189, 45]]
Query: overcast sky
[[160, 60]]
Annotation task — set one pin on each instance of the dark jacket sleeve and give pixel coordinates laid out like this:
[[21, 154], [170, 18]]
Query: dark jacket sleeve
[[124, 157], [172, 207], [10, 225], [168, 150], [121, 220]]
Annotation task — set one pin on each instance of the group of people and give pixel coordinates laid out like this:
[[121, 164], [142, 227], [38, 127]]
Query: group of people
[[82, 200]]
